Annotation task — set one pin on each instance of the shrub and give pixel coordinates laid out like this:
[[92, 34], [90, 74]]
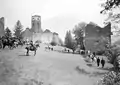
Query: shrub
[[53, 43], [110, 78], [101, 52], [112, 53]]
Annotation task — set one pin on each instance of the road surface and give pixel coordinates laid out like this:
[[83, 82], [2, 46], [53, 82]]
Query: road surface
[[50, 67]]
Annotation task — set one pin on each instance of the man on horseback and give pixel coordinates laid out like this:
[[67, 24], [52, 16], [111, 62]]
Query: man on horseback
[[32, 47], [31, 44]]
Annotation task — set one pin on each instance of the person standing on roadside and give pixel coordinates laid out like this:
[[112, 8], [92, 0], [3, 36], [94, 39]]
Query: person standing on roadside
[[98, 61], [103, 62]]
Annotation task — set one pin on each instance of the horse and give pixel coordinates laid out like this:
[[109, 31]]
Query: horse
[[47, 48], [31, 48], [21, 43], [37, 44], [8, 42]]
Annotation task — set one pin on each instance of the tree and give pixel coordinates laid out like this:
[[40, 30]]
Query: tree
[[69, 41], [110, 8], [8, 33], [18, 30], [53, 43], [78, 31], [61, 42], [109, 5], [110, 78]]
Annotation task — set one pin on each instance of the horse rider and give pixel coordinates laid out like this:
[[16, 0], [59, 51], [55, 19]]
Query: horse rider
[[31, 43]]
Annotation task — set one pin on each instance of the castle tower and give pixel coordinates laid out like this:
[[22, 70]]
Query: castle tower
[[2, 25], [36, 24]]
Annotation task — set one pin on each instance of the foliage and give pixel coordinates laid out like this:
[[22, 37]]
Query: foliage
[[102, 43], [54, 40], [69, 41], [110, 78], [53, 43], [8, 33], [78, 31], [61, 42], [112, 52], [18, 30], [108, 5], [100, 52], [111, 9]]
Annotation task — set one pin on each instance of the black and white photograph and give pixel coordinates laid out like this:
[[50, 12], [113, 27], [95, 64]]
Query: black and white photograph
[[59, 42]]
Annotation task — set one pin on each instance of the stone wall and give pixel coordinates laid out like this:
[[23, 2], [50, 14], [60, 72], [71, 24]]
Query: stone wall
[[94, 35]]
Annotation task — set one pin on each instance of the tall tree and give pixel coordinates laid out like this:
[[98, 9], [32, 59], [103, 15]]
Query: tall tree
[[8, 32], [69, 41], [18, 30], [78, 31]]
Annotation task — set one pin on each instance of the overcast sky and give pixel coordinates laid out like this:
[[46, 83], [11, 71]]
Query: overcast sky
[[56, 15]]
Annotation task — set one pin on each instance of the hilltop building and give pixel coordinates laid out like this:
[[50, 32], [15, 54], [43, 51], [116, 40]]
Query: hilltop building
[[36, 32]]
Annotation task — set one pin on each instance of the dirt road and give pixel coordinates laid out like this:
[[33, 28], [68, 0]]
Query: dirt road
[[51, 67]]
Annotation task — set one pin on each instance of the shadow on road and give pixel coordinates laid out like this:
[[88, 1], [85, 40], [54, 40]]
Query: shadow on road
[[90, 74], [97, 74], [22, 55], [89, 64], [81, 71], [107, 69]]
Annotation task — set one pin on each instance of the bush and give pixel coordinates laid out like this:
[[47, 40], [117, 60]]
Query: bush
[[100, 52], [110, 78], [112, 54], [53, 43]]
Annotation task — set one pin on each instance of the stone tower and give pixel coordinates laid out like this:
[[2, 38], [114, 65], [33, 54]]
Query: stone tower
[[36, 24], [2, 25]]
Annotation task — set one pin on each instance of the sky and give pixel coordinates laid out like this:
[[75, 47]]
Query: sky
[[56, 15]]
